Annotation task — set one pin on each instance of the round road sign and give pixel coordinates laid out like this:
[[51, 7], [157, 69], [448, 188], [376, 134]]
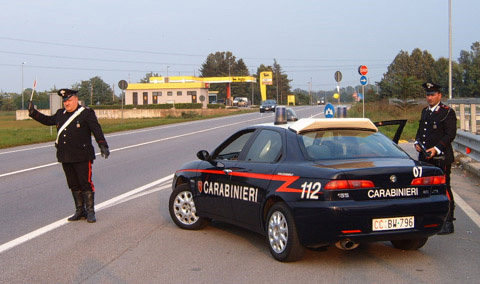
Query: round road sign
[[122, 84], [362, 70], [338, 76], [363, 80]]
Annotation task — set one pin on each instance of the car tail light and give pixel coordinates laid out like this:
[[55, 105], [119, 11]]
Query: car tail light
[[348, 184], [429, 180]]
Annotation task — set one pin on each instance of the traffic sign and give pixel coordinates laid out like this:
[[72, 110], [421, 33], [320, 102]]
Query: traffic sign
[[362, 70], [122, 84], [338, 76], [329, 111], [363, 80]]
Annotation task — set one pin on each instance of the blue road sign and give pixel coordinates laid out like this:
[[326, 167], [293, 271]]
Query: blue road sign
[[329, 111], [363, 80]]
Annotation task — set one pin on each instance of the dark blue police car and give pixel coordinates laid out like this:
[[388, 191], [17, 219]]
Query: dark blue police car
[[310, 184]]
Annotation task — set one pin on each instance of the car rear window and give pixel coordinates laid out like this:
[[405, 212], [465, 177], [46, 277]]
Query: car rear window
[[348, 144]]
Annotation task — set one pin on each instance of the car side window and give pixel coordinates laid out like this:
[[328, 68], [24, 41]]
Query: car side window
[[266, 148], [231, 149]]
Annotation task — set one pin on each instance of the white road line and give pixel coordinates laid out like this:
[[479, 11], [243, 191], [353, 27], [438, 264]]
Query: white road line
[[136, 145], [26, 149], [467, 209], [29, 169], [55, 225]]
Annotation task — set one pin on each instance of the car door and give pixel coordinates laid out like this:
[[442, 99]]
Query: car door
[[215, 176], [252, 175], [401, 124]]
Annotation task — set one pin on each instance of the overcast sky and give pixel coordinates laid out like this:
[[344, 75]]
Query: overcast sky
[[64, 42]]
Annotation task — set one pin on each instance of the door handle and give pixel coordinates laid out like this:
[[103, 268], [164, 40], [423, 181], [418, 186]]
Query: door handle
[[227, 171]]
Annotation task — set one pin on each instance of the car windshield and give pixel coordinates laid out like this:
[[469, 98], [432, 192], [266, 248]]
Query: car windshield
[[348, 144], [269, 102]]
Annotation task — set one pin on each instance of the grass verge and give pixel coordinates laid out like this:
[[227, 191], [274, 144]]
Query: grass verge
[[23, 132]]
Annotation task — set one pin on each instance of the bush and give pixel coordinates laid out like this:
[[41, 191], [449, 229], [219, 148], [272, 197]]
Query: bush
[[215, 106], [188, 106]]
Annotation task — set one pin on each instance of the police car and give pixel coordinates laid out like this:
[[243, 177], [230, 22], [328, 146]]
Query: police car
[[313, 183]]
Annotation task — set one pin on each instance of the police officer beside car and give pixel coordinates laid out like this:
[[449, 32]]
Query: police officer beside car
[[75, 151], [436, 132]]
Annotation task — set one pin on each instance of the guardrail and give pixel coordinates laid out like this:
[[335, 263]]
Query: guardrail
[[467, 141], [467, 144], [466, 110]]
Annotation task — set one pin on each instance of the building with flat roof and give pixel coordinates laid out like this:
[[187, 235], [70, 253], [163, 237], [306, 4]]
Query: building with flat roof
[[178, 89]]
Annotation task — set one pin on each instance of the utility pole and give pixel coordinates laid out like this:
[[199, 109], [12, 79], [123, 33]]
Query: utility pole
[[91, 93], [310, 90], [450, 49]]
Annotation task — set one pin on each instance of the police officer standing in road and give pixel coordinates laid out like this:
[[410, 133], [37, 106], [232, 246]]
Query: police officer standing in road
[[436, 132], [75, 151]]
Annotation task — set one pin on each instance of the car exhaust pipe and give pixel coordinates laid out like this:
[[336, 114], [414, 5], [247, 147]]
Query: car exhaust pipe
[[346, 244]]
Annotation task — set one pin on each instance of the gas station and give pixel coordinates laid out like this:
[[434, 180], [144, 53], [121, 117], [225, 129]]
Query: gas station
[[179, 89]]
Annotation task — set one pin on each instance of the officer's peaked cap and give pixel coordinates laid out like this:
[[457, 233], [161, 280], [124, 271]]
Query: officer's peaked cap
[[431, 88], [67, 93]]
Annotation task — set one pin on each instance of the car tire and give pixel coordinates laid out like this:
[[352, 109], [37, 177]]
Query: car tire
[[409, 244], [183, 211], [281, 234], [262, 111]]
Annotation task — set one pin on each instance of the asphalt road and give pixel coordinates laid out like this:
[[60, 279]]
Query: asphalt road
[[135, 241]]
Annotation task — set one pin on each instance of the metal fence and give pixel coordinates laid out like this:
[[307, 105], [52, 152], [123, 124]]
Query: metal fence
[[467, 141]]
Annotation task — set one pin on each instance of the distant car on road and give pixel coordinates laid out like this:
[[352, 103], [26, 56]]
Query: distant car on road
[[240, 101], [219, 102], [268, 105], [313, 183]]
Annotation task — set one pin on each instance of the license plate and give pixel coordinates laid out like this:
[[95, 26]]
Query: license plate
[[397, 223]]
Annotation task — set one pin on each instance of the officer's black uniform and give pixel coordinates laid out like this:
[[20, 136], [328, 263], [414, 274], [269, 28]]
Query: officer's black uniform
[[438, 128], [76, 153]]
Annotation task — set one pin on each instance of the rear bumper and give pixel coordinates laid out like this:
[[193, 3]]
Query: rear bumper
[[323, 223]]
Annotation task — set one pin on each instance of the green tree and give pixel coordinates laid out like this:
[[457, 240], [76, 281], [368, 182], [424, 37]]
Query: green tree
[[94, 91], [470, 65], [418, 67], [280, 83], [225, 64], [440, 72]]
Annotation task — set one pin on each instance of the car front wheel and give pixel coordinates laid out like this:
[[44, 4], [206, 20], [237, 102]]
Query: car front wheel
[[282, 235], [183, 211], [409, 244]]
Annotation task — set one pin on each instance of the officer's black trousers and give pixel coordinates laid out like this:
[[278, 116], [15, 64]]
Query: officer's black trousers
[[79, 176]]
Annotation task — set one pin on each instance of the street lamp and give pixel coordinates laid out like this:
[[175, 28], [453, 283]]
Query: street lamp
[[23, 102], [168, 66]]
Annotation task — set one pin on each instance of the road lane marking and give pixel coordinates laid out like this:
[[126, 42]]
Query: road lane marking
[[137, 145], [111, 202], [467, 209], [131, 132], [29, 169]]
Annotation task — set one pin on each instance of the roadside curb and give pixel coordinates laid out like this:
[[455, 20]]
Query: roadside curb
[[469, 164]]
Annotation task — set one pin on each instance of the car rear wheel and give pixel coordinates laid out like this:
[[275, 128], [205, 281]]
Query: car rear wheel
[[282, 235], [409, 244], [183, 211]]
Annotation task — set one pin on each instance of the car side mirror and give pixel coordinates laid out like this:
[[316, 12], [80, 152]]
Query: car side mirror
[[203, 155]]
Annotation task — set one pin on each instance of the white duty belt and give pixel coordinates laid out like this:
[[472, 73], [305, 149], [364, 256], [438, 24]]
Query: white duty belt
[[79, 110]]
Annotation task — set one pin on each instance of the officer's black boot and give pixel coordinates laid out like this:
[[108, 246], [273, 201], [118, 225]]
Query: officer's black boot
[[89, 203], [80, 211], [448, 226]]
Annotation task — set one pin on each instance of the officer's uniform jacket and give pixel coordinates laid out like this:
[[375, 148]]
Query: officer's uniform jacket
[[75, 142], [438, 129]]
